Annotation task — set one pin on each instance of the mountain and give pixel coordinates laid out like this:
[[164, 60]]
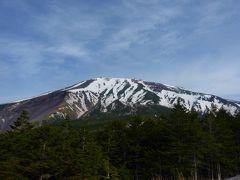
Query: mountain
[[110, 94]]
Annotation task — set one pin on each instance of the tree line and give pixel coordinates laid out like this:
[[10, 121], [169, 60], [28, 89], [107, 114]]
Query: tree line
[[181, 145]]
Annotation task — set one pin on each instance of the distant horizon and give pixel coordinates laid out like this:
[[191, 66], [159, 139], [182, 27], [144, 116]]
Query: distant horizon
[[47, 45]]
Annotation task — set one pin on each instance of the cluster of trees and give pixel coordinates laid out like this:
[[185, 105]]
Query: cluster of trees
[[182, 145]]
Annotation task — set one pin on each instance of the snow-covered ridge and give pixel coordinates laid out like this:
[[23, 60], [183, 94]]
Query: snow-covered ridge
[[108, 94], [137, 92]]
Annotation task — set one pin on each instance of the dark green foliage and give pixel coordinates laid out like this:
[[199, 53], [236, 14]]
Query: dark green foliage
[[49, 151], [183, 144], [22, 122]]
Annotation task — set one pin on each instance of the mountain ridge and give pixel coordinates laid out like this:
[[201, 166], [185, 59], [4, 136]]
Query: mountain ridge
[[107, 94]]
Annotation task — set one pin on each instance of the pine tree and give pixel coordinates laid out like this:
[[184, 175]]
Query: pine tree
[[225, 138], [179, 122], [236, 133], [22, 122]]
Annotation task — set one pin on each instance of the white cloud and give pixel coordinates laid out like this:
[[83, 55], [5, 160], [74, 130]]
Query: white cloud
[[140, 19], [129, 34], [69, 50], [213, 14]]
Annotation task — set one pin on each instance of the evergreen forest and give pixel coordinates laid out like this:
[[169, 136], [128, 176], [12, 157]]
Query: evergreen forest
[[179, 145]]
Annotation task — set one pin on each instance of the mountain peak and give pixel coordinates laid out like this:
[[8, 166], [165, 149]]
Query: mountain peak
[[107, 94], [131, 92]]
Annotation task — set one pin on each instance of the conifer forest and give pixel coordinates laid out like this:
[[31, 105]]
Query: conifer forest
[[177, 145]]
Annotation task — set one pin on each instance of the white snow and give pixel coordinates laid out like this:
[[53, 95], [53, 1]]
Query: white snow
[[3, 120], [109, 89], [106, 91], [77, 102]]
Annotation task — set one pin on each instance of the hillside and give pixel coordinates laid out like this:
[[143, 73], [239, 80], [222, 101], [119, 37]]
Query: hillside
[[123, 95]]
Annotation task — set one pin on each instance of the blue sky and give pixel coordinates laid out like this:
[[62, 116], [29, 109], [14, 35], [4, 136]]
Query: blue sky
[[49, 44]]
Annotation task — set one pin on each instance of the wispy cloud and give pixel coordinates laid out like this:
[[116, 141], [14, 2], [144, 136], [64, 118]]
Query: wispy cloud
[[213, 14], [69, 50], [140, 19], [173, 39]]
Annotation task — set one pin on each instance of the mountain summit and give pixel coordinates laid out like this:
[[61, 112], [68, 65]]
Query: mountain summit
[[109, 94]]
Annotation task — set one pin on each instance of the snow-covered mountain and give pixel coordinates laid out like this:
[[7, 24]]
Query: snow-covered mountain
[[107, 94]]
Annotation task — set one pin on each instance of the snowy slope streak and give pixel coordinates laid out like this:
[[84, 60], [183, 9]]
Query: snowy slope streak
[[135, 92], [107, 94]]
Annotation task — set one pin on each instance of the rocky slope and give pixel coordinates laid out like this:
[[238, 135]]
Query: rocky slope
[[108, 94]]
